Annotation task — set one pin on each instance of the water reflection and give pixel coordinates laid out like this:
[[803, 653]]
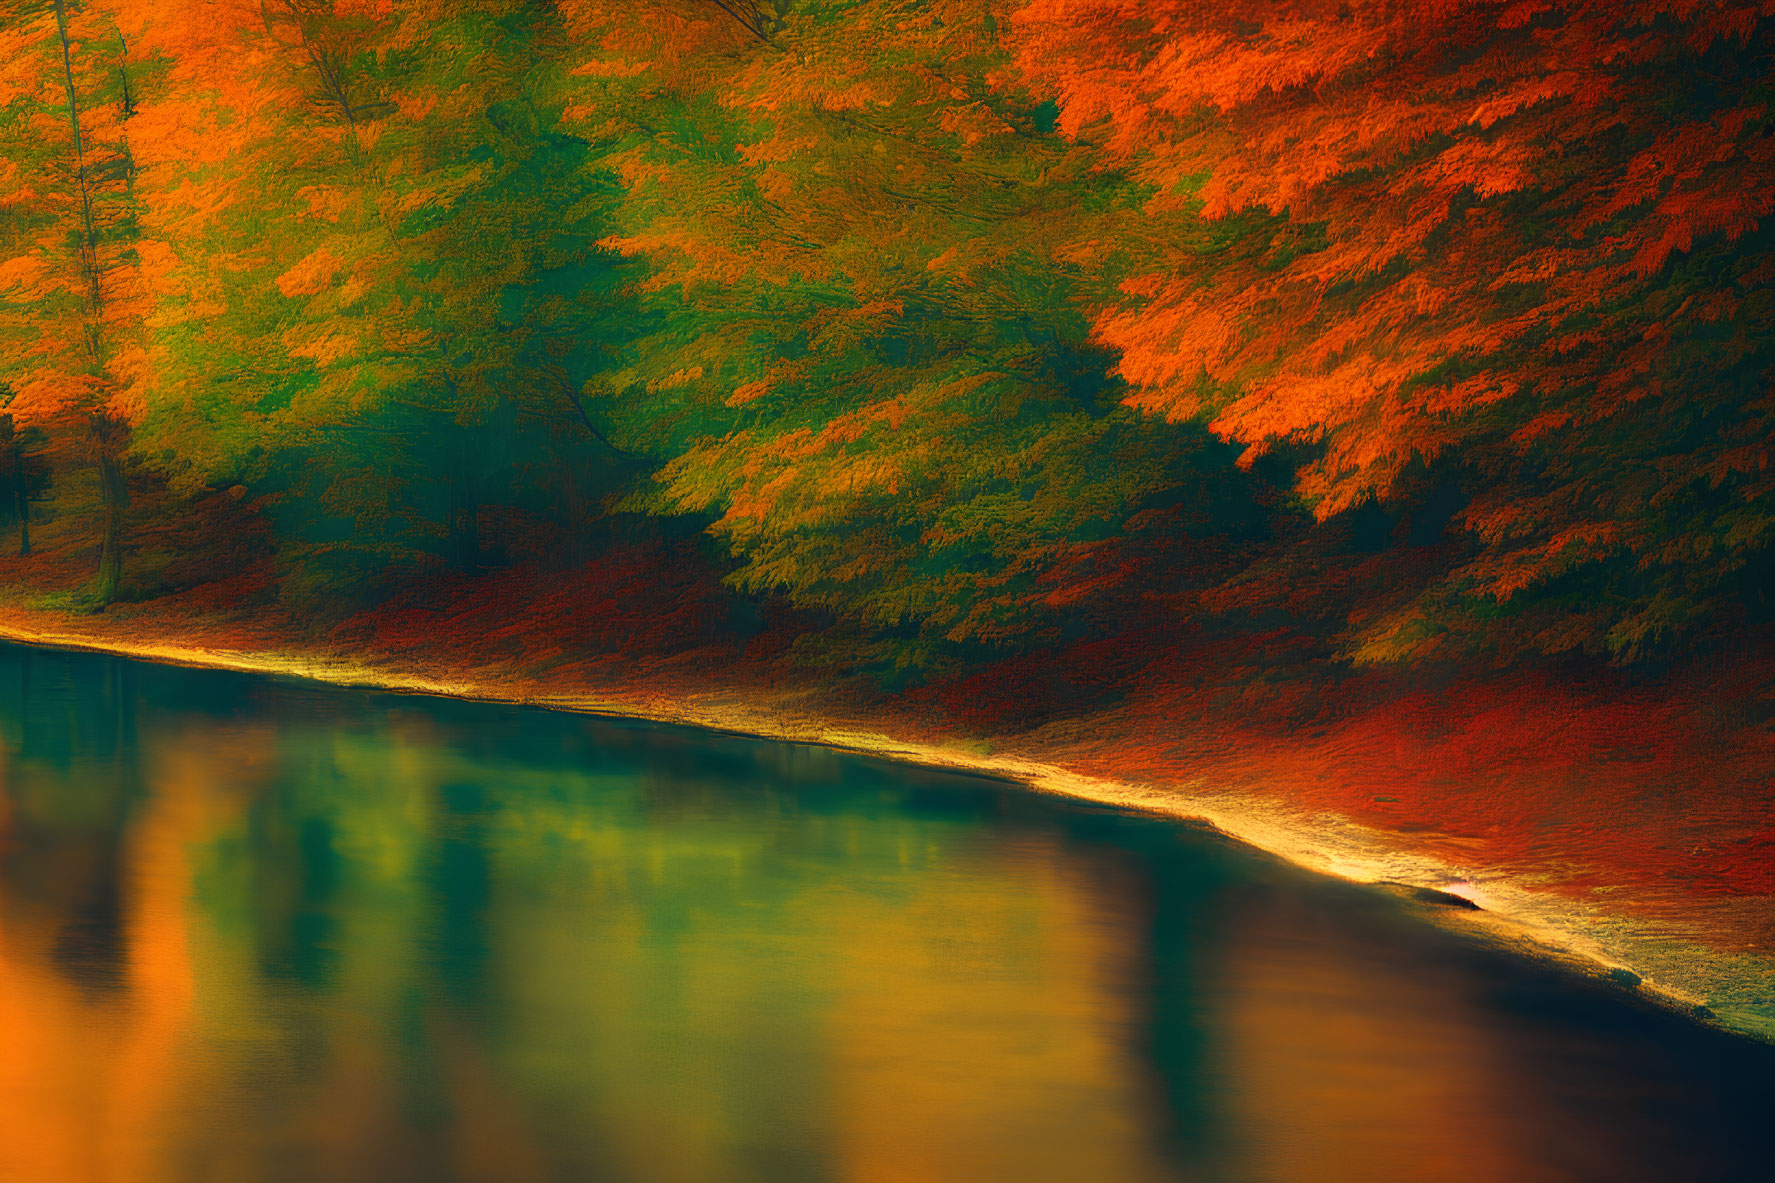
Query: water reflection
[[251, 930]]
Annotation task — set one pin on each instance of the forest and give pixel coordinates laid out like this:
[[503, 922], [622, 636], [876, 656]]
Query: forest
[[926, 334]]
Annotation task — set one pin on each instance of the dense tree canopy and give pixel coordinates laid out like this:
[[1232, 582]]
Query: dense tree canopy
[[1522, 243], [964, 326]]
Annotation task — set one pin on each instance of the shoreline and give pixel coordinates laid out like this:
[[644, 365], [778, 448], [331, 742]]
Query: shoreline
[[1487, 905]]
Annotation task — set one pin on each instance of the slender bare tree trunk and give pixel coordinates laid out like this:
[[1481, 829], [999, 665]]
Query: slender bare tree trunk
[[89, 239], [114, 496], [23, 501], [106, 430]]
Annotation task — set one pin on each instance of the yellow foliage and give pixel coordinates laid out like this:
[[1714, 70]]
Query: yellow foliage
[[311, 276]]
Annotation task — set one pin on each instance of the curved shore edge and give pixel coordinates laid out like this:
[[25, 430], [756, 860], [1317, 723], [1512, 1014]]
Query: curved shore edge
[[1734, 992]]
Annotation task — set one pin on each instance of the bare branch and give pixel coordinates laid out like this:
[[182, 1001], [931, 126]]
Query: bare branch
[[750, 26]]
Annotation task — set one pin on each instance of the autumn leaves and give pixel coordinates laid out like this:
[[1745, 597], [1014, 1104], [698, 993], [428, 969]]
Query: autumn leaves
[[947, 319]]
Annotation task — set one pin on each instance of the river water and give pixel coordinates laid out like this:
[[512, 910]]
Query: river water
[[253, 929]]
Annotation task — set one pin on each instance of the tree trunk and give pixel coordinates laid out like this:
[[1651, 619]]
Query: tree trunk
[[107, 431], [24, 520], [89, 240], [114, 496]]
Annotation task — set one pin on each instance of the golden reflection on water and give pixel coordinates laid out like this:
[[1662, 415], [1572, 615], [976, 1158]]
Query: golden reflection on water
[[351, 950], [1348, 1069], [939, 1015]]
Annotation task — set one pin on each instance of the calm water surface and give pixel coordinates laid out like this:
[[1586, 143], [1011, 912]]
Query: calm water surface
[[256, 930]]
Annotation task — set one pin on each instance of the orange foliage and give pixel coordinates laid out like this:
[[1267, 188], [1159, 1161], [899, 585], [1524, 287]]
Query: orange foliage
[[1401, 132]]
